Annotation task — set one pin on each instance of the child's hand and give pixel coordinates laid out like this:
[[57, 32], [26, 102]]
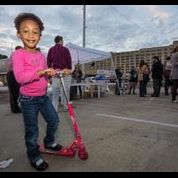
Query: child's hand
[[66, 72], [40, 73], [50, 72]]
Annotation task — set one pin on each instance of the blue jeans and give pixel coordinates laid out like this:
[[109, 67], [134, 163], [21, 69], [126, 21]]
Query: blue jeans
[[31, 106]]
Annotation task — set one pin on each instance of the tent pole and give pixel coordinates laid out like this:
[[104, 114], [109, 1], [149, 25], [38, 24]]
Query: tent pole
[[78, 57], [83, 70]]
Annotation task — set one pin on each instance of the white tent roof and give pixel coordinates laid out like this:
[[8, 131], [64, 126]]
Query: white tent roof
[[85, 55]]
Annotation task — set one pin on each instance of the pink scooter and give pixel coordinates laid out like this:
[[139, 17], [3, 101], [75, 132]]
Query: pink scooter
[[77, 144]]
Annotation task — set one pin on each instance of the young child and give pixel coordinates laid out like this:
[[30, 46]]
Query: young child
[[30, 70]]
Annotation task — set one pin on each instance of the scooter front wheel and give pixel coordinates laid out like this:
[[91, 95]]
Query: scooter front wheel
[[82, 154]]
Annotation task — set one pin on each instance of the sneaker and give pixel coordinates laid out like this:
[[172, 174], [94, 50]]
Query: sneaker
[[54, 147], [40, 165]]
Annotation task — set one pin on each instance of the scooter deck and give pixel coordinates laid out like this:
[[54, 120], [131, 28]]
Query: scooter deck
[[66, 152]]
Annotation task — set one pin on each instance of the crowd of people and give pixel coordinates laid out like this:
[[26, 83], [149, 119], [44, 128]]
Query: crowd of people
[[160, 74]]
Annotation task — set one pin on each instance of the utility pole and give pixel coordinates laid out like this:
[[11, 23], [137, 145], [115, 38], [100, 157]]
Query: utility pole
[[84, 24], [11, 47], [84, 27]]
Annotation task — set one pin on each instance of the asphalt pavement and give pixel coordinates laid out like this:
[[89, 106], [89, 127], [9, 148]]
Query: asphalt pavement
[[121, 134]]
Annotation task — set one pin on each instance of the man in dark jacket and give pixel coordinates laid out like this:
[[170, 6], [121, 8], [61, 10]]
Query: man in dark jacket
[[157, 76]]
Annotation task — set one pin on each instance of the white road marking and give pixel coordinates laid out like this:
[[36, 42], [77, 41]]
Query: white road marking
[[139, 120]]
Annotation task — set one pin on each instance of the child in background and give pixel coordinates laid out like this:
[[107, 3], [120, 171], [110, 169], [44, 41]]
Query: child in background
[[30, 70]]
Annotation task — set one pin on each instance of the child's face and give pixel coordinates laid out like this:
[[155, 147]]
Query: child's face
[[29, 33]]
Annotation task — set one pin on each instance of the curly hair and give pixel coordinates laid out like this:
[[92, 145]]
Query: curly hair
[[28, 16]]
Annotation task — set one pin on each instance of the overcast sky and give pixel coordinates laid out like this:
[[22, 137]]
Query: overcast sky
[[109, 28]]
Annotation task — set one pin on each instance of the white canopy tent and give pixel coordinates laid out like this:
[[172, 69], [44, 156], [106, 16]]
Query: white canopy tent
[[83, 55]]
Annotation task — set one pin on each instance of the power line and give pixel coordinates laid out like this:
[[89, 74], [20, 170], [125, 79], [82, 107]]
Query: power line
[[137, 25], [128, 19]]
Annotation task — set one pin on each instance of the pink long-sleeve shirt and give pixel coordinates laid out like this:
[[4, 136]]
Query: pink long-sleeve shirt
[[25, 67]]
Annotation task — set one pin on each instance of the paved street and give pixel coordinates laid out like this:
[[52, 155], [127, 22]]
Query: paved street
[[121, 133]]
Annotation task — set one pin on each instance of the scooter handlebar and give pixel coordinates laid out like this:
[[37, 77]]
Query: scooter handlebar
[[62, 73]]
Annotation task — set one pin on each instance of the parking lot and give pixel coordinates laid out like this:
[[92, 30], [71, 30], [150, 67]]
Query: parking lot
[[121, 134]]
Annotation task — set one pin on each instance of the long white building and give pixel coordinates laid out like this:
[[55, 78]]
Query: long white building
[[125, 60]]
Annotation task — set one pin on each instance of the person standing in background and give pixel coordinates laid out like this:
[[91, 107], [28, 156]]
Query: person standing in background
[[174, 74], [157, 76], [133, 79], [77, 76], [142, 70], [59, 58], [13, 86], [167, 71], [146, 77], [119, 75]]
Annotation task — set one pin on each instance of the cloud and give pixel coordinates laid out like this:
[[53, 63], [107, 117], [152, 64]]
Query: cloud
[[108, 27], [156, 11]]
